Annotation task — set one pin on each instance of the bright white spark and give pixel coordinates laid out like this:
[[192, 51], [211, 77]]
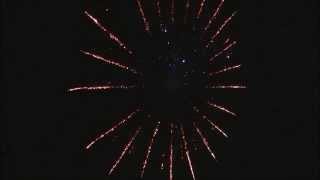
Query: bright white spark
[[124, 150], [222, 108], [112, 129], [226, 69], [205, 141], [108, 61], [111, 35], [185, 143], [155, 131]]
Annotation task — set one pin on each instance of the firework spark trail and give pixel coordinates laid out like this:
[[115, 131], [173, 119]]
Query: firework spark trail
[[187, 11], [112, 62], [171, 153], [112, 129], [145, 21], [200, 8], [210, 122], [226, 69], [205, 141], [186, 150], [158, 8], [222, 108], [214, 15], [227, 87], [155, 131], [221, 28], [99, 88], [172, 11], [229, 46], [124, 150], [108, 32]]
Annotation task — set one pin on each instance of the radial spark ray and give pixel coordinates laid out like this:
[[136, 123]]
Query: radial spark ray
[[205, 141], [116, 126], [186, 11], [226, 69], [124, 151], [229, 46], [200, 8], [227, 87], [171, 153], [172, 11], [145, 21], [108, 61], [111, 35], [99, 88], [226, 22], [186, 150], [204, 117], [221, 108], [145, 162], [214, 15]]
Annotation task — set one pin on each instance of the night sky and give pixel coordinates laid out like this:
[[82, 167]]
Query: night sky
[[44, 128]]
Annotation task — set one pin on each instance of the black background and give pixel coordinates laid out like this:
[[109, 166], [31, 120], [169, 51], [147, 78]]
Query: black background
[[43, 129]]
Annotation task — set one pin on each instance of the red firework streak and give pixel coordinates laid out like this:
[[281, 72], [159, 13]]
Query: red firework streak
[[184, 146]]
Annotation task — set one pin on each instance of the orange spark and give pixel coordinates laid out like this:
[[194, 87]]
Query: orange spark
[[155, 131], [186, 150], [205, 141], [108, 61], [112, 129], [145, 22], [229, 46], [222, 108], [221, 28], [124, 151], [214, 15], [111, 35], [204, 117], [99, 88], [226, 69]]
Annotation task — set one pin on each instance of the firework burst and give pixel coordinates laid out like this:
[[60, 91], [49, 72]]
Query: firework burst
[[174, 77]]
